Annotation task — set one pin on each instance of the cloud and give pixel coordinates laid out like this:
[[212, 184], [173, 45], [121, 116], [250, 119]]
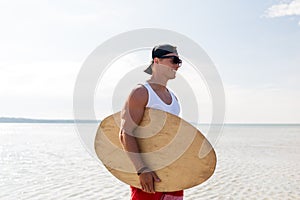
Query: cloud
[[284, 9]]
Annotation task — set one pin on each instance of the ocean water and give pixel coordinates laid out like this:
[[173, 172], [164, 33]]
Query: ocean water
[[47, 161]]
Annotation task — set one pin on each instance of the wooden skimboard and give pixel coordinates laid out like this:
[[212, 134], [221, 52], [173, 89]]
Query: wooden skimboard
[[180, 155]]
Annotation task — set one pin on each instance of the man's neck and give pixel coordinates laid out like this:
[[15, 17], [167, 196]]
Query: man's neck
[[158, 84]]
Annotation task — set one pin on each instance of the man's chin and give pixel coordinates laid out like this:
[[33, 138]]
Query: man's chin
[[173, 77]]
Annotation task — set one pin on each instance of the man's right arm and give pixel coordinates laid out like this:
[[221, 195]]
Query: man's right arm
[[132, 114]]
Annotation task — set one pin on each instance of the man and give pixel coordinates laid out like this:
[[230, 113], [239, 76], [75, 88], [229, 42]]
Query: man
[[154, 94]]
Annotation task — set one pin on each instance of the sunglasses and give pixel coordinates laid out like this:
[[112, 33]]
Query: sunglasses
[[175, 59]]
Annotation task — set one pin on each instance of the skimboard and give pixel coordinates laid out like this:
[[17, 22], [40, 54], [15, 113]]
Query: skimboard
[[179, 153]]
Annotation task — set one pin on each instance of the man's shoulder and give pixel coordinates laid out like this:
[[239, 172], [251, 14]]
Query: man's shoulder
[[139, 94], [140, 90]]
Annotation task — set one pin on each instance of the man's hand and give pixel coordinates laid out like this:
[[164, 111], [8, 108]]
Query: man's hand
[[147, 180]]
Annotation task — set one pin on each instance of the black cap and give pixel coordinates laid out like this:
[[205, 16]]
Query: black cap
[[159, 51]]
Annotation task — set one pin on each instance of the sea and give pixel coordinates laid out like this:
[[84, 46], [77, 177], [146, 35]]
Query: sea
[[49, 161]]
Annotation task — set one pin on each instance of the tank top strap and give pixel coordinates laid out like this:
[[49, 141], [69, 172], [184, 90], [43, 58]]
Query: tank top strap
[[154, 101]]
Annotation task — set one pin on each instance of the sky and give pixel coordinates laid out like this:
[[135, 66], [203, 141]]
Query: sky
[[255, 46]]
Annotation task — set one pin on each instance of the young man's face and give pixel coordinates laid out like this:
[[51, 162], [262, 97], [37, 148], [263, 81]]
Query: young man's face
[[166, 66]]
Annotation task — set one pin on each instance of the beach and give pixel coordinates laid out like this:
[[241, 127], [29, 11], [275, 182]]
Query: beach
[[48, 161]]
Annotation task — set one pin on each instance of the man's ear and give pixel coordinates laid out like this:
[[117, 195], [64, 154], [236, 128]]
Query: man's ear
[[155, 60]]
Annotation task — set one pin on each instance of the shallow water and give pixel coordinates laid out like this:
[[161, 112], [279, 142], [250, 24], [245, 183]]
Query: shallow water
[[47, 161]]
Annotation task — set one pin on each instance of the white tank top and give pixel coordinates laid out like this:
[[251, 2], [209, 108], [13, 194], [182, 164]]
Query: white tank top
[[154, 101]]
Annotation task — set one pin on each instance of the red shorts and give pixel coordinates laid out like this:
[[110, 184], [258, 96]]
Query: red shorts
[[138, 194]]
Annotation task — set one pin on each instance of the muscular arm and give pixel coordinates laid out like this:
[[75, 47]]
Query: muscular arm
[[132, 114]]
